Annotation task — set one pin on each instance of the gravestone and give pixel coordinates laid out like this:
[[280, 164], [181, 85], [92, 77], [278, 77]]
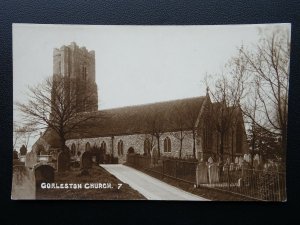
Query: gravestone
[[63, 161], [213, 174], [231, 166], [86, 160], [43, 173], [210, 160], [201, 174], [241, 161], [30, 159], [23, 183], [236, 160], [240, 182]]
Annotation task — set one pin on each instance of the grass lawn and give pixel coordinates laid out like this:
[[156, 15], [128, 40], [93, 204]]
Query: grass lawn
[[96, 175], [211, 194]]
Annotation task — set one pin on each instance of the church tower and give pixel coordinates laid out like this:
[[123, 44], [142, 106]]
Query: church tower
[[77, 65]]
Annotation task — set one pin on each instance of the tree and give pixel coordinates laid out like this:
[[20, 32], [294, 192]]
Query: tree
[[17, 135], [269, 67], [179, 122], [57, 104], [265, 143], [155, 121], [191, 116], [227, 93]]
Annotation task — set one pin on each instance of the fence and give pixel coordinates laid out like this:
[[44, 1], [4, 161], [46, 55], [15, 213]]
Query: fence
[[265, 185]]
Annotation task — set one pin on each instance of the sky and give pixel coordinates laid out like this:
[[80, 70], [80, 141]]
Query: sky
[[134, 64]]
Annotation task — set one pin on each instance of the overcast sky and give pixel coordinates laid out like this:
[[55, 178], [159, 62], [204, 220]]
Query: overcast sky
[[134, 64]]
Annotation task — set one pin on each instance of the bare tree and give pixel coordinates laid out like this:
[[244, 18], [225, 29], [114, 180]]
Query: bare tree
[[191, 116], [17, 135], [227, 93], [155, 121], [269, 66], [179, 122], [57, 105]]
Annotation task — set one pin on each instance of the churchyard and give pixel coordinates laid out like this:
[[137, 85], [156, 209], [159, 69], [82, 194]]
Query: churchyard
[[241, 179], [47, 177]]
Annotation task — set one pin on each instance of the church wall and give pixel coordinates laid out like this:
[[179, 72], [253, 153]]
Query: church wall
[[136, 141]]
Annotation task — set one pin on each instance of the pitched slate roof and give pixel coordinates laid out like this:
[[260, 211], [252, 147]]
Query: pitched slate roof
[[162, 116]]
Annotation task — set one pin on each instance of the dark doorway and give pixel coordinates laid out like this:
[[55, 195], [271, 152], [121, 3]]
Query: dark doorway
[[130, 150]]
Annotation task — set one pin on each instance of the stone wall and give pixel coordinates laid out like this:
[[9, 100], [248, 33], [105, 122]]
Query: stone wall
[[136, 141]]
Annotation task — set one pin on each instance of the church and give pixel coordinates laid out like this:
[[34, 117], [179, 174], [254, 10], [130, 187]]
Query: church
[[181, 128]]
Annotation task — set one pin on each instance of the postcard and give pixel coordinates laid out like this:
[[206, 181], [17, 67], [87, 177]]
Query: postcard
[[185, 113]]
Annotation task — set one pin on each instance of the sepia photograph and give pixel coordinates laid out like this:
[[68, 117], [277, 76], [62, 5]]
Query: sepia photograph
[[140, 112]]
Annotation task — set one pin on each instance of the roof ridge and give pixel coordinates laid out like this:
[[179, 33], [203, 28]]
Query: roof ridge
[[152, 103]]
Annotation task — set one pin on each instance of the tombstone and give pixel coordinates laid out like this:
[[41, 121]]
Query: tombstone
[[213, 174], [246, 158], [201, 174], [86, 160], [210, 160], [231, 166], [236, 160], [240, 182], [31, 159], [256, 158], [63, 161], [23, 183], [43, 174], [241, 161], [22, 158]]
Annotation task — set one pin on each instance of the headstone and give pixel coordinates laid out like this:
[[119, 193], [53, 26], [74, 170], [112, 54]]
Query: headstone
[[63, 161], [30, 159], [246, 158], [22, 158], [23, 183], [213, 173], [240, 182], [231, 166], [241, 161], [201, 173], [210, 160], [256, 157], [236, 160], [43, 173], [86, 160]]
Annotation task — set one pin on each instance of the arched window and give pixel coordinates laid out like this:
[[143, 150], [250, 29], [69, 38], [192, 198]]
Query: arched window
[[147, 146], [103, 147], [167, 145], [87, 146], [120, 148], [73, 149]]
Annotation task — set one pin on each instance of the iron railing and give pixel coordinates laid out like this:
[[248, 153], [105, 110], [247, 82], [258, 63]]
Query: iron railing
[[263, 185]]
